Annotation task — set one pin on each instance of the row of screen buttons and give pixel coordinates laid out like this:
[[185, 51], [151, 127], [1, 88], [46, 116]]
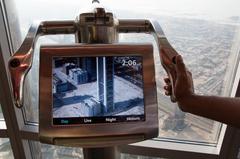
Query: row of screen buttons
[[92, 120]]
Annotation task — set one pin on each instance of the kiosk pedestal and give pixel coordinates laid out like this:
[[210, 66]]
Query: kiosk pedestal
[[101, 153]]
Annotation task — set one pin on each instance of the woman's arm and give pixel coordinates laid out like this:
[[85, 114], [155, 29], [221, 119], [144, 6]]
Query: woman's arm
[[223, 109]]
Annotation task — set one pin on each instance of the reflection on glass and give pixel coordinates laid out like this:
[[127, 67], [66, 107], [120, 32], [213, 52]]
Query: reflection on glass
[[5, 149], [206, 47], [1, 113], [204, 34], [60, 152]]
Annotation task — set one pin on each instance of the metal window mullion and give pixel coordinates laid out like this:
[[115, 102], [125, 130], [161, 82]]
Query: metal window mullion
[[13, 117], [231, 142], [14, 35], [9, 114]]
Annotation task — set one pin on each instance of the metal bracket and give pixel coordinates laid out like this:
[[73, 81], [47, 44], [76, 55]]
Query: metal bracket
[[21, 62]]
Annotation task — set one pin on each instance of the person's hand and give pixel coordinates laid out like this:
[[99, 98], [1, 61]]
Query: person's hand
[[182, 88]]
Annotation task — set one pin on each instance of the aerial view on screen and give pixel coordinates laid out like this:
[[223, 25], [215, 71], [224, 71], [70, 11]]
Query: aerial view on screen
[[97, 89]]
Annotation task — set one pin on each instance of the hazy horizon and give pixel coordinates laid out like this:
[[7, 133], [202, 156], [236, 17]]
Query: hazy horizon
[[210, 9]]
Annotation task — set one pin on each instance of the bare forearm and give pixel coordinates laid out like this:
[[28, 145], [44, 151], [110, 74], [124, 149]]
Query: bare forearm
[[226, 110]]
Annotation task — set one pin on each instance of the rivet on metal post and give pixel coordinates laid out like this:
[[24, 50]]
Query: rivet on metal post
[[15, 63]]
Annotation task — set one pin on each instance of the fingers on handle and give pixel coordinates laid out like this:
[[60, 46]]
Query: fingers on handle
[[168, 88], [173, 99], [167, 80], [168, 93], [180, 66]]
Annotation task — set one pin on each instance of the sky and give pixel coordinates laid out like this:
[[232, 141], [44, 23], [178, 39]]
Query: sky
[[215, 9]]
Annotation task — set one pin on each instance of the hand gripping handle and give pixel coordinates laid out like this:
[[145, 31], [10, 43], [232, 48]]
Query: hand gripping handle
[[21, 62], [166, 52]]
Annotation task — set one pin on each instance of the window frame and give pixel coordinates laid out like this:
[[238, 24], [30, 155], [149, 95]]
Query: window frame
[[21, 133], [12, 116]]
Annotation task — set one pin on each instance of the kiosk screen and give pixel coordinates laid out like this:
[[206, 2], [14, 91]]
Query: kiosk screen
[[88, 90]]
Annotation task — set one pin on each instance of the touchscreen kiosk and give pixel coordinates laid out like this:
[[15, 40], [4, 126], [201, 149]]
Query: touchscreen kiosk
[[97, 95]]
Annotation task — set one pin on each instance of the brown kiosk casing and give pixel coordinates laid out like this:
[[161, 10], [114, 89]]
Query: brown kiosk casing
[[99, 134]]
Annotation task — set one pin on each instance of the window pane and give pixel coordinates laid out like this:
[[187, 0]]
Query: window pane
[[46, 151], [1, 113], [129, 156], [5, 149], [2, 121], [174, 123], [60, 152], [205, 33]]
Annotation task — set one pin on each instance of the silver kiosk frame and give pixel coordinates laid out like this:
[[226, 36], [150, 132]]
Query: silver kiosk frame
[[96, 26]]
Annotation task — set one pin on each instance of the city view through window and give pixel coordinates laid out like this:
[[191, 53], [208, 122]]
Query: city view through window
[[205, 33]]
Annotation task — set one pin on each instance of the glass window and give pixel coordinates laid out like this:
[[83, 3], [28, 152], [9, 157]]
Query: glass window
[[174, 123], [60, 152], [205, 32], [1, 113], [129, 156], [2, 121], [5, 149]]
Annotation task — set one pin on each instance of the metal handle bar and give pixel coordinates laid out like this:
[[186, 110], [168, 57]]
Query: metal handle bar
[[21, 62]]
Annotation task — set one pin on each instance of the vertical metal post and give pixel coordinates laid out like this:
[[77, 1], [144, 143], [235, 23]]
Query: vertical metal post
[[101, 28], [13, 117]]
